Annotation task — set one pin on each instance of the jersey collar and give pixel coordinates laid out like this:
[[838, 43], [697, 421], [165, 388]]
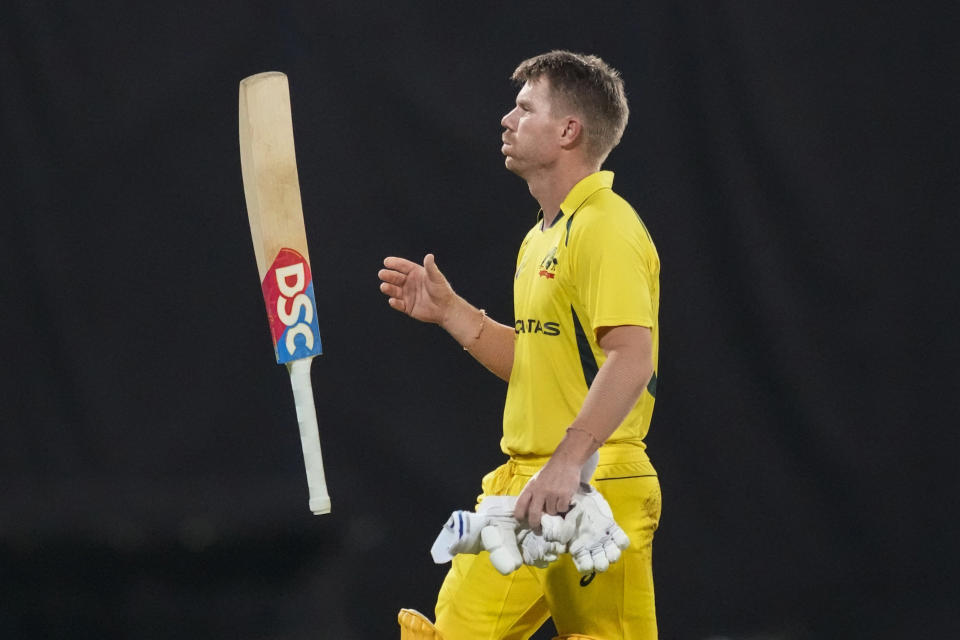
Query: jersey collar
[[584, 189]]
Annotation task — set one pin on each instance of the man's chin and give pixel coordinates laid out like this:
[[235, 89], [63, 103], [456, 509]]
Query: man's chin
[[511, 166]]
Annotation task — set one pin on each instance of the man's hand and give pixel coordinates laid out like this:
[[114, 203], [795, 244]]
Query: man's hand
[[421, 292], [548, 492]]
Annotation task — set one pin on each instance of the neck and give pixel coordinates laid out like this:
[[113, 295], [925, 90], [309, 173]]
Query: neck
[[551, 187]]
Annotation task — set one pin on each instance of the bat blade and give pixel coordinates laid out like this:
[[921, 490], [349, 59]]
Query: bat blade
[[269, 163], [271, 186]]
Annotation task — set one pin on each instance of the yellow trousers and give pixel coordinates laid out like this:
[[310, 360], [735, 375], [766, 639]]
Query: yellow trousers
[[476, 602]]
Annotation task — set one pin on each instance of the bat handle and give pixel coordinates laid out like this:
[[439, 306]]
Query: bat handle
[[309, 434]]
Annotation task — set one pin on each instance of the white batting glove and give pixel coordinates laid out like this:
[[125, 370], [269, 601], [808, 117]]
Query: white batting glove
[[593, 538], [538, 551], [492, 528]]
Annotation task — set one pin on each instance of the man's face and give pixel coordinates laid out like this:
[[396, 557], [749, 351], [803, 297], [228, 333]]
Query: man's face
[[532, 135]]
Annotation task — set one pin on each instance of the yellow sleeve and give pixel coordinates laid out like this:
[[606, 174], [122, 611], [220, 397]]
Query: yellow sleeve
[[611, 256]]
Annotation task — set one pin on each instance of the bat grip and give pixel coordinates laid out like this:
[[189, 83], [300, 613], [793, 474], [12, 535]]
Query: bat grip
[[309, 434]]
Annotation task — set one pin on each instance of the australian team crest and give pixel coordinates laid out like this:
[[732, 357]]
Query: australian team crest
[[548, 266]]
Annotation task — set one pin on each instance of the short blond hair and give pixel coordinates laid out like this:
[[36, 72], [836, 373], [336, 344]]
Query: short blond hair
[[589, 86]]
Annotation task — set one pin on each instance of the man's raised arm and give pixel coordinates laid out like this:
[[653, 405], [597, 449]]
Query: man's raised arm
[[423, 293]]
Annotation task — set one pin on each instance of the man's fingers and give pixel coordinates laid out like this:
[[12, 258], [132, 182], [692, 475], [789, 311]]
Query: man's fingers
[[391, 276], [399, 264], [399, 305], [563, 503], [520, 510], [391, 290], [534, 512], [430, 265], [556, 505], [529, 509], [550, 505]]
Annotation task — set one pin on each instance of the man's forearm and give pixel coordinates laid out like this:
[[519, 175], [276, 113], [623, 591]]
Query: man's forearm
[[614, 392], [490, 342], [615, 389]]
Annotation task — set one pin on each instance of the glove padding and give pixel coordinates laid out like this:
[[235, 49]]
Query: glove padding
[[538, 551], [588, 531], [492, 528]]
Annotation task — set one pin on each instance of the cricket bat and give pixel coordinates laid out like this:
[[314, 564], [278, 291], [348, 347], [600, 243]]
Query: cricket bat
[[272, 189]]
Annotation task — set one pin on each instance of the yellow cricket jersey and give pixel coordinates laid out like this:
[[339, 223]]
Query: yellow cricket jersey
[[595, 266]]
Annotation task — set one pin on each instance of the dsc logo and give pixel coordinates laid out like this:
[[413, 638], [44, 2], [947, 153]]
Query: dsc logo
[[300, 314], [291, 307]]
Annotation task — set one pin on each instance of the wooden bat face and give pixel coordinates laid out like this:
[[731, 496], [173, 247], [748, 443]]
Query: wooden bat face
[[272, 188]]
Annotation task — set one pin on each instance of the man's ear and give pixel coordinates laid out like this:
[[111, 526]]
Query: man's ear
[[572, 133]]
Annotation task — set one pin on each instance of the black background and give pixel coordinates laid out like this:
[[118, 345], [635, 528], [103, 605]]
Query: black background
[[796, 163]]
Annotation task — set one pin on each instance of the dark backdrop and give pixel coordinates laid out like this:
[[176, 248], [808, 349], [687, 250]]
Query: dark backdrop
[[796, 163]]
